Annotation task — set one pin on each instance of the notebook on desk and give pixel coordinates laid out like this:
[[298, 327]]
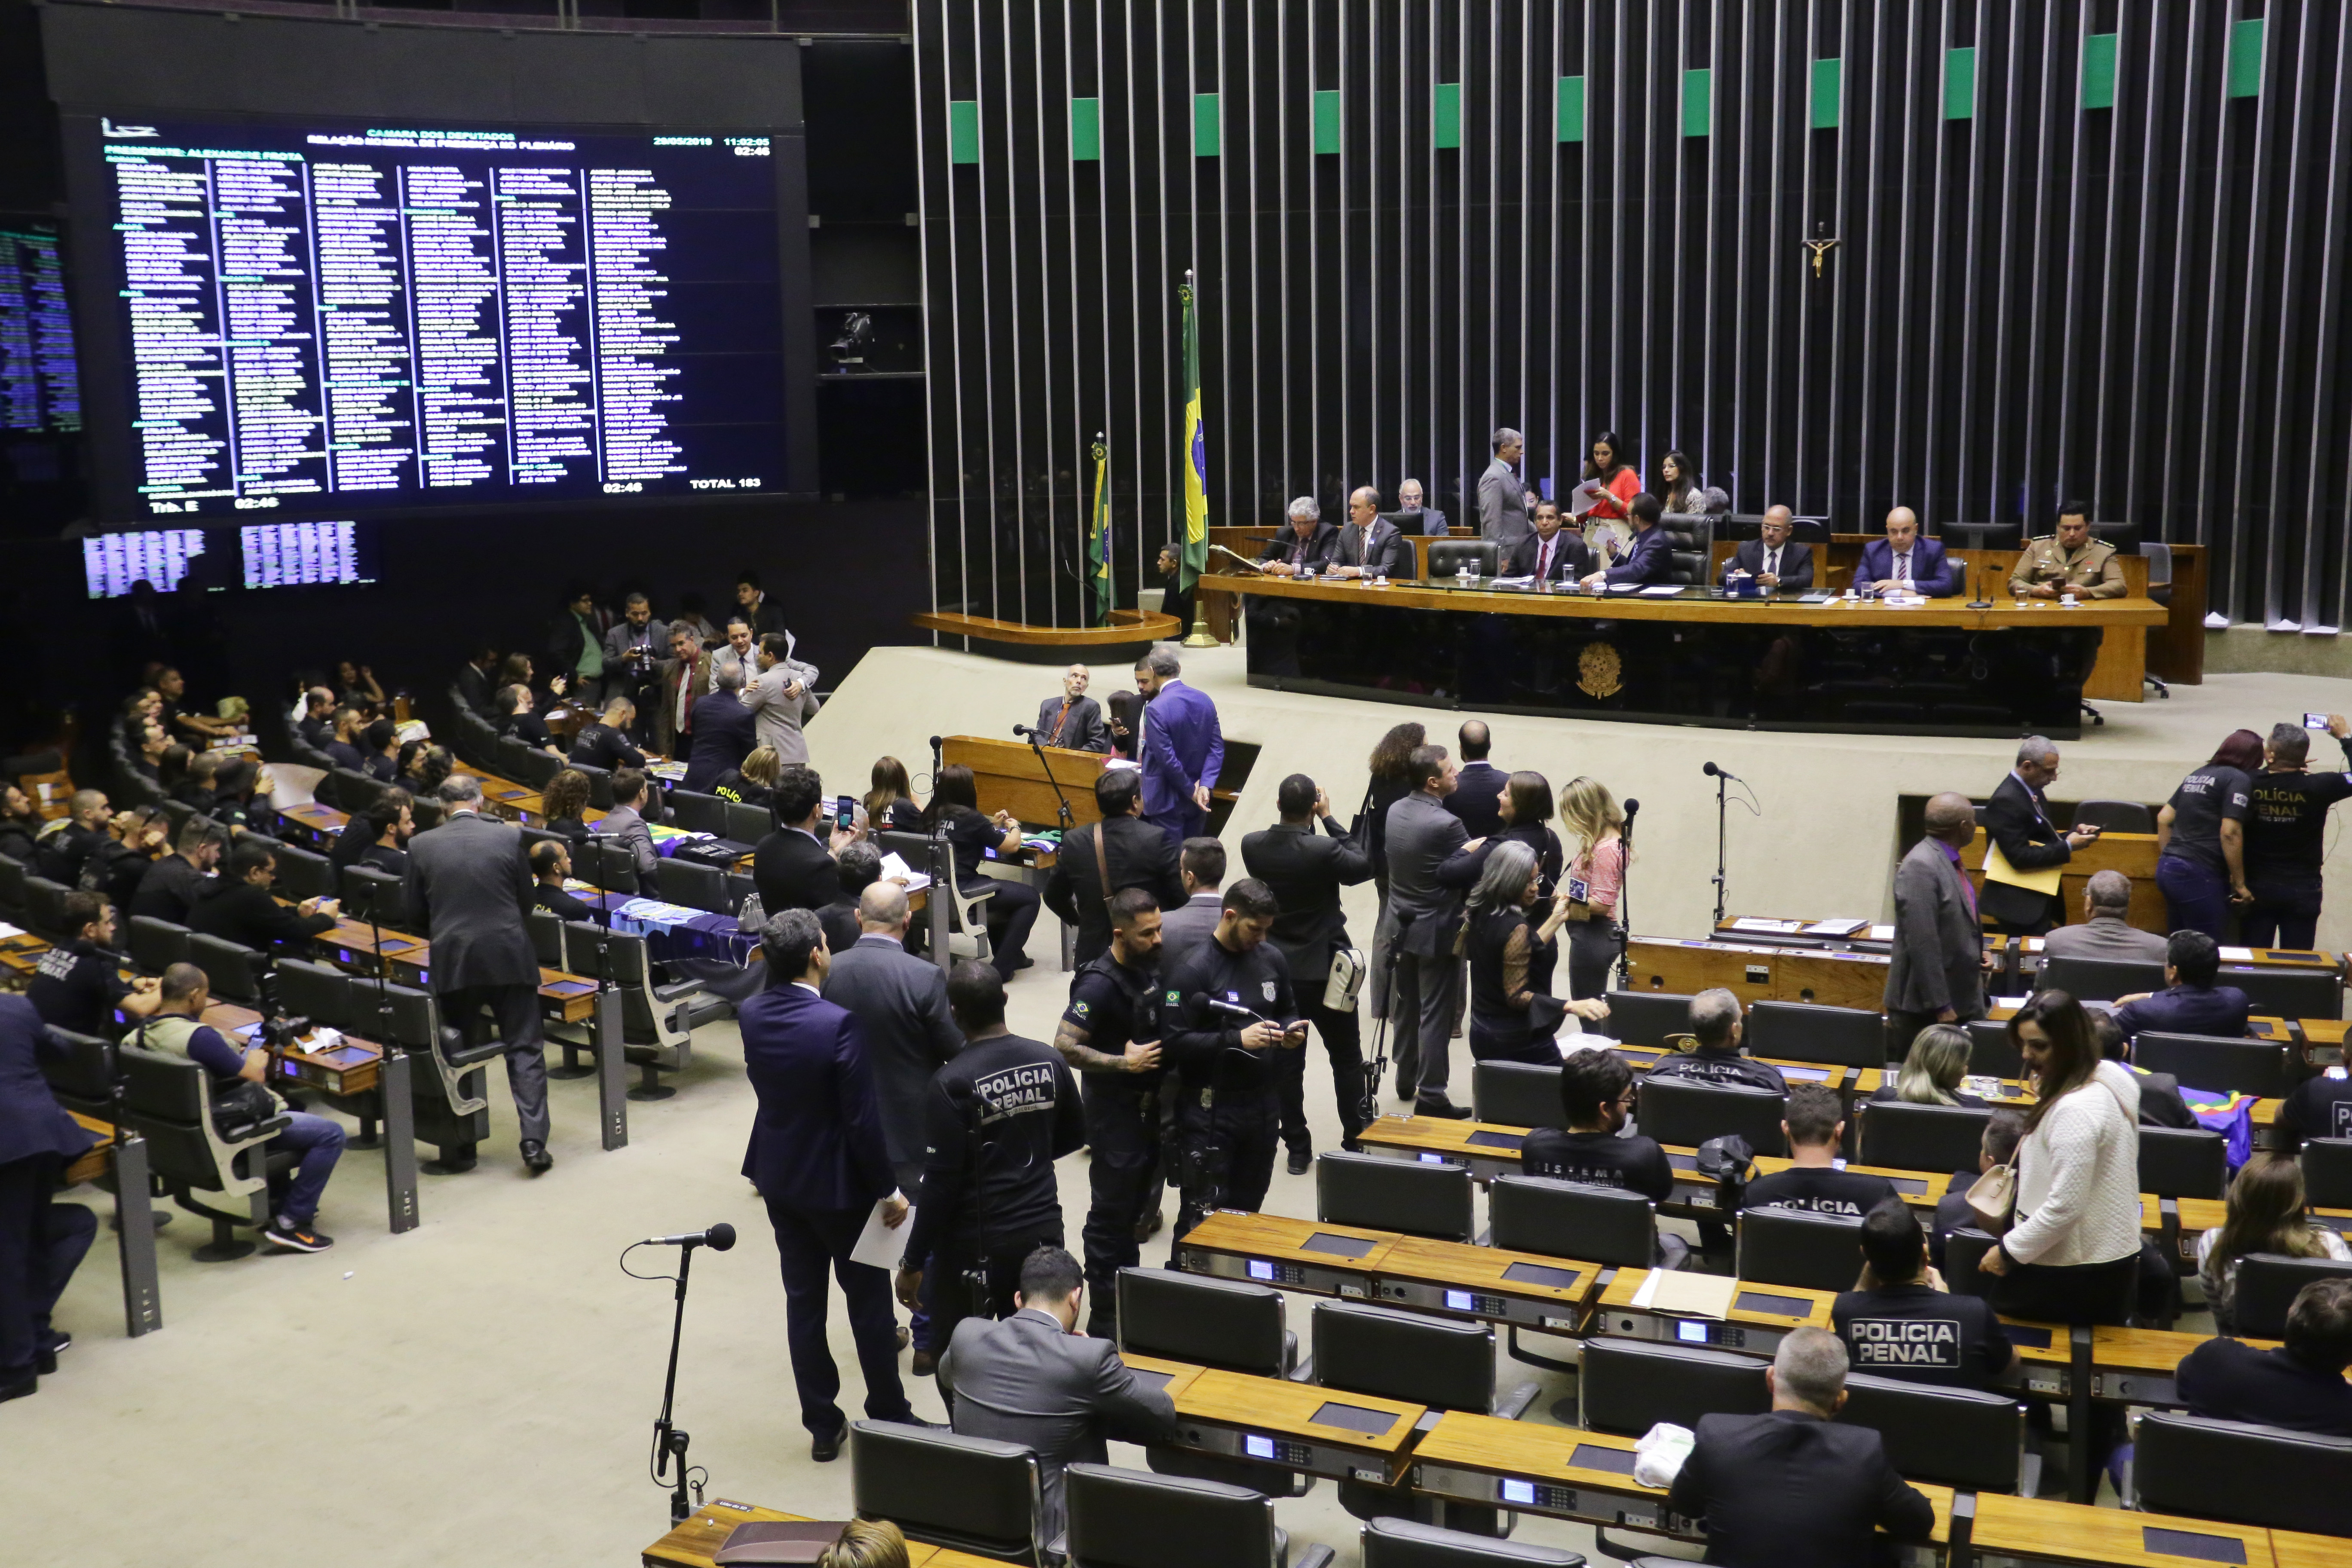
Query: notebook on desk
[[779, 1541]]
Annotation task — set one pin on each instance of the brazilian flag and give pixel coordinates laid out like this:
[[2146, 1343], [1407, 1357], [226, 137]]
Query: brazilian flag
[[1098, 541], [1196, 452]]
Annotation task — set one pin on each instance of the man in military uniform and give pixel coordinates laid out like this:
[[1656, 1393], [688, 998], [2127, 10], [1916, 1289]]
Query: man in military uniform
[[2069, 560], [1226, 1007], [1110, 1036]]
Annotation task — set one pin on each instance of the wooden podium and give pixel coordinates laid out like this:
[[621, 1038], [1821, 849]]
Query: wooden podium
[[1008, 777]]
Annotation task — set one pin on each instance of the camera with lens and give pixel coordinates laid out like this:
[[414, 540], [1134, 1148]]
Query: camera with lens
[[280, 1031]]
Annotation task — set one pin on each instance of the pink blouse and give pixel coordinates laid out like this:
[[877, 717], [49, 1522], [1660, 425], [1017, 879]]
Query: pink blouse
[[1603, 873]]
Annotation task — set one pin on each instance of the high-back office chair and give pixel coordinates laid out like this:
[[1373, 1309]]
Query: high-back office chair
[[1447, 557], [168, 1101], [2281, 993], [1685, 1113], [1607, 1225], [1811, 1032], [1381, 1194], [230, 968], [693, 811], [1631, 1385], [1906, 1137], [157, 944], [2263, 1069], [1961, 1437], [2117, 816], [1647, 1017], [968, 1494], [1690, 536], [2183, 1162], [2241, 1473], [1516, 1094], [1992, 1053], [2327, 1172], [1796, 1246], [1402, 1543], [1129, 1519], [1226, 1324], [2099, 979], [2266, 1288]]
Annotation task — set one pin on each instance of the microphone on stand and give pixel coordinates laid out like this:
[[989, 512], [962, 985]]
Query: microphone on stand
[[1633, 805], [1025, 729], [1714, 772], [718, 1239]]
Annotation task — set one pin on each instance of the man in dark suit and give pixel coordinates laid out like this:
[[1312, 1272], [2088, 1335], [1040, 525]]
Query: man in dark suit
[[2189, 1004], [1369, 545], [1548, 554], [1303, 547], [818, 1158], [725, 731], [1904, 560], [1649, 558], [1034, 1379], [473, 684], [794, 866], [1413, 517], [468, 888], [237, 906], [550, 864], [1776, 561], [41, 1243], [1478, 787], [1138, 854], [1306, 873], [1502, 499], [1421, 835], [1182, 747], [1797, 1488], [2017, 819], [1072, 719], [1937, 973], [681, 678]]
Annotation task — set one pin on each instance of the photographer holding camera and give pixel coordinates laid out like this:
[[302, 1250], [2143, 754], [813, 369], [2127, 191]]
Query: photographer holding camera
[[239, 1083]]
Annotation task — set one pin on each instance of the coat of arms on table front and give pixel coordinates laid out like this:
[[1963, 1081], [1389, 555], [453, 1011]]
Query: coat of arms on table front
[[1599, 671]]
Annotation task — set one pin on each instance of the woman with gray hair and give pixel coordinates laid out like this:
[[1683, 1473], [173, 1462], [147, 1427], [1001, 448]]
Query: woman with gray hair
[[1513, 1015]]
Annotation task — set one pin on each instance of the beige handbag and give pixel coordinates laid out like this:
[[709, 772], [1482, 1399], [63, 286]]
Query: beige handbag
[[1992, 1200]]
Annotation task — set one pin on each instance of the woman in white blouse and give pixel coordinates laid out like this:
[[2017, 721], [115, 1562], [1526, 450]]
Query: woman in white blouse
[[2072, 1251]]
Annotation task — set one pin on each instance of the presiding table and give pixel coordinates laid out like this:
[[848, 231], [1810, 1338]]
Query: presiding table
[[1694, 656]]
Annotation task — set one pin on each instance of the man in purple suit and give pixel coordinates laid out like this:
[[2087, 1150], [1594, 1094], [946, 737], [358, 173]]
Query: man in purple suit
[[1904, 560], [1183, 748]]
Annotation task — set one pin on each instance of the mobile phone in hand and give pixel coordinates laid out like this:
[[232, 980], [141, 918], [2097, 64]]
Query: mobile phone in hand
[[2314, 721]]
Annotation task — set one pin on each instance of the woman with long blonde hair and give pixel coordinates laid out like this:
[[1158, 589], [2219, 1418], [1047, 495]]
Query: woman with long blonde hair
[[1590, 817]]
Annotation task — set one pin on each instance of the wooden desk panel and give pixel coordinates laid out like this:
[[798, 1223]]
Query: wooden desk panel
[[1559, 1471], [1755, 972], [2295, 1550], [1271, 1250], [697, 1543], [1419, 1137], [2039, 1530], [1006, 775], [95, 1161], [2132, 854]]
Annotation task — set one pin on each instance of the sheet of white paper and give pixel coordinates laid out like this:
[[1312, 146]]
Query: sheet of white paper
[[8, 930], [1649, 1289], [1661, 590], [895, 864], [878, 1246], [1781, 928], [1584, 498], [2238, 954]]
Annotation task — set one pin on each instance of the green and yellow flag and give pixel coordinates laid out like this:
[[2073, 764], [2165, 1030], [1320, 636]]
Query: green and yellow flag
[[1098, 540], [1196, 452]]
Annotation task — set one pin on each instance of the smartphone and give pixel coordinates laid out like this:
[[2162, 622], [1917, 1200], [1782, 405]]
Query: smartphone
[[2314, 721], [845, 812]]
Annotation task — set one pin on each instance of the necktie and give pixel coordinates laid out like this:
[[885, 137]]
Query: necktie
[[1772, 562], [1902, 567], [1055, 735], [685, 700], [1543, 560]]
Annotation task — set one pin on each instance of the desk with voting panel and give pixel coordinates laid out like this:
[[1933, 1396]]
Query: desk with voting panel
[[1491, 1151], [698, 1542], [2014, 1532], [1293, 1425]]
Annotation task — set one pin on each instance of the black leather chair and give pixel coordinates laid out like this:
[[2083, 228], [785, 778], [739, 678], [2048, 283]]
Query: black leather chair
[[657, 1020], [1686, 1113], [45, 908], [1226, 1324], [1647, 1017], [738, 885], [1963, 1251], [1381, 1194], [1796, 1246], [1908, 1137], [13, 873], [603, 865], [1689, 537], [168, 1101], [2099, 979], [370, 895], [2117, 816], [2262, 1068], [1992, 1053], [1402, 1543], [2183, 1162], [2327, 1172], [1981, 535], [695, 886], [749, 823], [1630, 1385], [231, 969], [513, 757], [1960, 1438], [1810, 1032], [600, 784], [303, 875], [1425, 1360], [1447, 557], [354, 791], [1130, 1519], [452, 1110], [316, 992], [546, 929], [970, 1494], [156, 946], [2267, 1286], [2287, 992], [1568, 1219], [1516, 1094], [2241, 1474], [83, 1078], [2123, 536], [691, 811]]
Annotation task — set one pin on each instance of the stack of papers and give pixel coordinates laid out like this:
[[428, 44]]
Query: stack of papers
[[654, 912], [1661, 590], [1770, 927], [1835, 928]]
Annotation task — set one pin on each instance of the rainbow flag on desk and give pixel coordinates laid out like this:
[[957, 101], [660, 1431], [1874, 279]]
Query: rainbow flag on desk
[[2231, 1115]]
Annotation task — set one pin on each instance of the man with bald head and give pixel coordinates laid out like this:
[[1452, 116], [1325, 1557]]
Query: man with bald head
[[1775, 559], [1937, 973], [1903, 561], [1369, 544], [1413, 515]]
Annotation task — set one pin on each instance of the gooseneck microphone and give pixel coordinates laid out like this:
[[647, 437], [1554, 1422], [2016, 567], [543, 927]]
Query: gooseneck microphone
[[718, 1239]]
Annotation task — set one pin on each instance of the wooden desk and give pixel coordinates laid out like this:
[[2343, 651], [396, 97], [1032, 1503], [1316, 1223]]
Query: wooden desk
[[1008, 778], [1491, 1149], [1454, 1279], [1296, 1254], [1760, 1316], [697, 1543], [2132, 854], [2031, 1530], [1757, 972], [1291, 1426], [2295, 1550], [2135, 1366], [1557, 1471]]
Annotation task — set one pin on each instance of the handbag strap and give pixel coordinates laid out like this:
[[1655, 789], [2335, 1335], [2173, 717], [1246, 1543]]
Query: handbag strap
[[1102, 865]]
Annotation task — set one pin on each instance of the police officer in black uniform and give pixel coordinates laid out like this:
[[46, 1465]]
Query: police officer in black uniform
[[1226, 1007], [1110, 1036], [79, 986], [1000, 1113], [1898, 1325], [1716, 1055]]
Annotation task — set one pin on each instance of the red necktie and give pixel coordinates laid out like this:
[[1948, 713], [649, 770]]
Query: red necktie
[[1543, 560]]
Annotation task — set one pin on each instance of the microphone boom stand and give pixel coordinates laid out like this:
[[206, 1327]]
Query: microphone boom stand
[[1624, 927], [1720, 779], [669, 1439], [1038, 746]]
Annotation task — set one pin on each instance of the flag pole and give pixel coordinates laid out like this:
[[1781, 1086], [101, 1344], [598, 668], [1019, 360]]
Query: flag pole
[[1195, 558]]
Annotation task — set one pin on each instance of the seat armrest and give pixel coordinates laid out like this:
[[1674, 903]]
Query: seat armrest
[[678, 991], [469, 1055], [1316, 1556], [1512, 1404], [263, 1132], [1302, 1372]]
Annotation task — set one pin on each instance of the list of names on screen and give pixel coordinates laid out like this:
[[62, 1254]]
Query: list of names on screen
[[300, 554], [111, 562], [383, 317], [38, 389]]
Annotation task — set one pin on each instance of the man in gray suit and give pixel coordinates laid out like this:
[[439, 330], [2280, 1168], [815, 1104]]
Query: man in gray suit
[[900, 1002], [2107, 930], [1189, 924], [783, 697], [1502, 500], [1426, 913], [1937, 973], [1413, 517], [468, 890], [1073, 720], [1031, 1379]]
